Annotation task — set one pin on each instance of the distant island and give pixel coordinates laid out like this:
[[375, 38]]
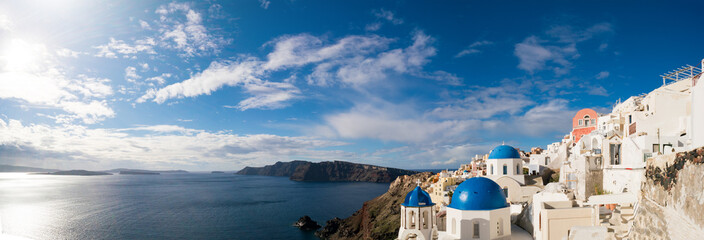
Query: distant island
[[336, 171], [138, 172], [76, 173], [142, 171], [217, 172]]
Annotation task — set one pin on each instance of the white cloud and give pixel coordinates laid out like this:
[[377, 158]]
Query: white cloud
[[366, 121], [359, 71], [29, 69], [375, 26], [552, 117], [537, 53], [119, 47], [144, 25], [568, 34], [485, 103], [154, 146], [217, 75], [188, 35], [302, 49], [268, 95], [264, 3], [388, 16], [131, 74], [161, 79], [598, 91], [5, 23], [65, 52], [602, 75], [352, 61], [472, 48], [534, 56]]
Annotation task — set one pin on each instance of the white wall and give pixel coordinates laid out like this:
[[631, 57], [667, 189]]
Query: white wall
[[697, 123], [512, 171], [489, 222], [537, 204]]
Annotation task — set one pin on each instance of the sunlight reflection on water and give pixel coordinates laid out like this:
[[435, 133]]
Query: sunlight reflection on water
[[170, 206]]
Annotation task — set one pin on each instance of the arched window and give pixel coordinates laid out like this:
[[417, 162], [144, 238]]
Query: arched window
[[586, 120], [454, 226], [413, 220], [425, 220], [403, 218], [505, 169]]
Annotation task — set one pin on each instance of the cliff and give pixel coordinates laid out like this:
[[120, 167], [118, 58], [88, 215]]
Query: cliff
[[337, 171], [672, 198], [379, 218], [279, 169]]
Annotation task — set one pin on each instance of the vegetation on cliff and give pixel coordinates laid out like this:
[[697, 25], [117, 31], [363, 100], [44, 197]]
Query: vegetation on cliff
[[337, 171], [379, 218]]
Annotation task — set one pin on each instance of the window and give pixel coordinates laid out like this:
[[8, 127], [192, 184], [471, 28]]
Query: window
[[425, 220], [615, 153], [413, 220], [518, 169], [593, 121], [630, 119], [547, 160], [491, 169], [580, 122], [476, 230], [656, 148], [505, 169]]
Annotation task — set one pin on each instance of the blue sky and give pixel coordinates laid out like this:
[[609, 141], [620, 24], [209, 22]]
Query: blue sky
[[410, 84]]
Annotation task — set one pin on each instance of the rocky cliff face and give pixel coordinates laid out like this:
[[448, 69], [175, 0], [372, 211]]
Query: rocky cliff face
[[279, 169], [672, 198], [379, 218], [337, 171]]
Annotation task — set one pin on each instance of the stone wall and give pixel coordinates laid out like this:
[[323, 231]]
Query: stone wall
[[671, 204]]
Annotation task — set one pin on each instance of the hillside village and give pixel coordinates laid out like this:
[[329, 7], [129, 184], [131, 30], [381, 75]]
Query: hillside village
[[632, 173]]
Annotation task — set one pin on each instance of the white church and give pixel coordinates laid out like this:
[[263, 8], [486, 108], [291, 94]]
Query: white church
[[478, 210]]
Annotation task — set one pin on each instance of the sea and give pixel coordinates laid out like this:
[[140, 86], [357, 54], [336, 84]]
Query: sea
[[171, 206]]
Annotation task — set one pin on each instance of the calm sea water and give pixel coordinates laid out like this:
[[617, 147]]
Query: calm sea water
[[171, 206]]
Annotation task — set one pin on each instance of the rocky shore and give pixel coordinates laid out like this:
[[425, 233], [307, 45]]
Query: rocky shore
[[378, 218]]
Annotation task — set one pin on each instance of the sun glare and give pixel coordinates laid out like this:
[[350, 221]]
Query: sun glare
[[19, 55]]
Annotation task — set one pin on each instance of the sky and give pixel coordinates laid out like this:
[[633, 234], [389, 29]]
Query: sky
[[220, 85]]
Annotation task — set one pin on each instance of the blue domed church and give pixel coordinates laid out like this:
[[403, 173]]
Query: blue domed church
[[417, 216], [478, 210]]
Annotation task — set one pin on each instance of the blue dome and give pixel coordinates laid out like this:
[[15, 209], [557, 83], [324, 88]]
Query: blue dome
[[504, 151], [478, 193], [417, 198]]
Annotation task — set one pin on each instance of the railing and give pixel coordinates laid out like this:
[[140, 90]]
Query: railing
[[685, 72]]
